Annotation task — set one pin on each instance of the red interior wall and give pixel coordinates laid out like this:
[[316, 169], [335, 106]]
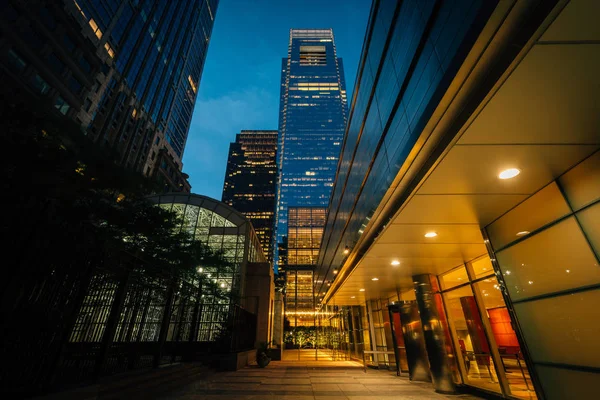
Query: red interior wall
[[503, 332]]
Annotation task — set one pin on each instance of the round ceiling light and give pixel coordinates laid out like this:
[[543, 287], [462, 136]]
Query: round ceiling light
[[430, 234], [395, 262], [375, 279], [522, 233], [361, 290], [509, 173]]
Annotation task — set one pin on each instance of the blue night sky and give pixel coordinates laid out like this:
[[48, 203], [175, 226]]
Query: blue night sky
[[240, 83]]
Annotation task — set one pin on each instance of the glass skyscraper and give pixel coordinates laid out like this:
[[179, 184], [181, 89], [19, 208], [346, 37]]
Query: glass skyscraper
[[312, 118], [127, 71]]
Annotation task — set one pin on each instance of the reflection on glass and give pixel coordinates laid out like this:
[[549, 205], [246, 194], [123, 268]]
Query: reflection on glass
[[513, 364], [482, 267], [456, 277], [479, 369]]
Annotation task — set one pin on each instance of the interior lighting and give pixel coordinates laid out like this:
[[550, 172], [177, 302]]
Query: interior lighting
[[222, 285], [347, 250], [375, 279], [395, 262], [361, 290], [335, 271], [530, 282], [509, 173], [200, 269], [353, 297], [568, 271], [430, 234], [522, 233], [507, 272]]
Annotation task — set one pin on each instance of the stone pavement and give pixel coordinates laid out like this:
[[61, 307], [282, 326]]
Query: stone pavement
[[306, 380]]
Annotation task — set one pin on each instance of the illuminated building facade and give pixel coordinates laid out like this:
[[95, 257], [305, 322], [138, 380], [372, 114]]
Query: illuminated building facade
[[305, 230], [250, 182], [312, 119], [462, 235], [127, 72]]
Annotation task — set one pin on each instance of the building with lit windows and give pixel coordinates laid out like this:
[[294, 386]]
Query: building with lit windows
[[250, 181], [312, 119], [126, 71], [462, 245], [305, 230]]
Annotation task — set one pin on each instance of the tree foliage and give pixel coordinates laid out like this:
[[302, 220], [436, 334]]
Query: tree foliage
[[70, 203]]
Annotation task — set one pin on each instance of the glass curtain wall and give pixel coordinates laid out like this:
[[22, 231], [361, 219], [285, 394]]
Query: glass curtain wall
[[547, 256], [486, 346]]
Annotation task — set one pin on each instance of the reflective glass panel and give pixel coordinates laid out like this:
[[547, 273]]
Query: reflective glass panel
[[473, 347], [504, 337]]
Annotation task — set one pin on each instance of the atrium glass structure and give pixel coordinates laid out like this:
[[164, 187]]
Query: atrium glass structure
[[250, 181], [312, 120], [222, 228]]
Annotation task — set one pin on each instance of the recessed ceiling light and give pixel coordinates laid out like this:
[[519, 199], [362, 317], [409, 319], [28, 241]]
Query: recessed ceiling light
[[530, 282], [430, 234], [353, 297], [375, 279], [522, 233], [395, 262], [568, 271], [509, 173], [335, 271], [347, 250], [361, 290], [507, 272]]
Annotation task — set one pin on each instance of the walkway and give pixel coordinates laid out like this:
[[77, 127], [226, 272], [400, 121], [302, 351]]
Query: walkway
[[308, 380]]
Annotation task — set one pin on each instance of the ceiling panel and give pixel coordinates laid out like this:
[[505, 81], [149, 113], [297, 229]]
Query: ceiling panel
[[577, 21], [415, 233], [475, 169], [551, 97], [457, 209]]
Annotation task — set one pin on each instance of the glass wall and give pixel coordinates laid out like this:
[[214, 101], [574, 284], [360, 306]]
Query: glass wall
[[547, 253], [485, 343]]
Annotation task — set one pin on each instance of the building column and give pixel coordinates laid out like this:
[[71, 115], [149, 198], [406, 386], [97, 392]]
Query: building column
[[414, 342], [436, 332]]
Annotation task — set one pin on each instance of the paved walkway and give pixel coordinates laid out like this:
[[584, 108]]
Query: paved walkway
[[308, 380]]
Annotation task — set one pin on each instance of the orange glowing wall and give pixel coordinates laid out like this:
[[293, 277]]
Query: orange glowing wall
[[503, 332]]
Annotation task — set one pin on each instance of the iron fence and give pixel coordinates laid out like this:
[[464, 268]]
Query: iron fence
[[70, 326]]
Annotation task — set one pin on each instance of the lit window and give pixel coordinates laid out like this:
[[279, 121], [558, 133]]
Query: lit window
[[95, 28], [109, 50], [192, 84]]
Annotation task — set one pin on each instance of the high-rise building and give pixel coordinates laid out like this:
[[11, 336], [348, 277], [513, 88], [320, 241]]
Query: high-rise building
[[127, 71], [250, 181], [312, 119]]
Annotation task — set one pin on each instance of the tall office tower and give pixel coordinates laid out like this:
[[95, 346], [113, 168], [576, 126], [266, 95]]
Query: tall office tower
[[250, 181], [312, 118], [127, 71]]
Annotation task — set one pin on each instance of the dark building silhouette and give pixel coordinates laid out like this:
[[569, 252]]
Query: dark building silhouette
[[126, 71], [250, 181]]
